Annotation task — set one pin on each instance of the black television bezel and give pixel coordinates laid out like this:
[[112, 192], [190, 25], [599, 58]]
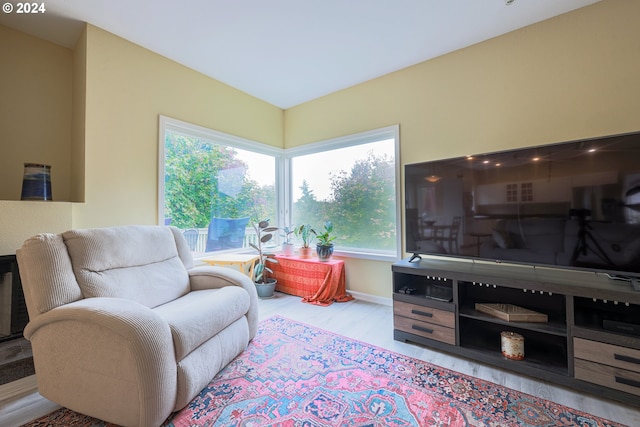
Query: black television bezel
[[628, 276]]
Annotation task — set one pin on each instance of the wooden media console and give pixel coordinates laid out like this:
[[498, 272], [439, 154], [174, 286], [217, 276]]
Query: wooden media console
[[590, 341]]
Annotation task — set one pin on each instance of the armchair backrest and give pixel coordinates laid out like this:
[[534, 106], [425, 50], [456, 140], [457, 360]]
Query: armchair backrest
[[146, 264]]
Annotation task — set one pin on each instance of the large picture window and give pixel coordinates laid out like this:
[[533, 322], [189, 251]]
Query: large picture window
[[353, 182], [214, 186]]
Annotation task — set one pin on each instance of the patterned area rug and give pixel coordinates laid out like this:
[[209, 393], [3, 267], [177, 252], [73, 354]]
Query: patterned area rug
[[297, 375]]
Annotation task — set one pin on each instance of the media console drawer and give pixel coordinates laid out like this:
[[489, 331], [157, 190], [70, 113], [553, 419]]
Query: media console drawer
[[607, 354], [608, 376], [607, 365], [425, 314], [424, 321], [424, 329]]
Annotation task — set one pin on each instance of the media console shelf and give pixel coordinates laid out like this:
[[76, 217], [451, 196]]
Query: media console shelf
[[590, 341]]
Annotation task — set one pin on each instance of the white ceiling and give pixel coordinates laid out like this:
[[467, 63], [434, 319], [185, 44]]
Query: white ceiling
[[287, 52]]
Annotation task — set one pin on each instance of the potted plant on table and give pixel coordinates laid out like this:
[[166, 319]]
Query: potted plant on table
[[287, 245], [265, 285], [305, 232], [324, 247]]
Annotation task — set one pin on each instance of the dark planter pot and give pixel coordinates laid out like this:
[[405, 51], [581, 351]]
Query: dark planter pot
[[324, 251], [266, 290]]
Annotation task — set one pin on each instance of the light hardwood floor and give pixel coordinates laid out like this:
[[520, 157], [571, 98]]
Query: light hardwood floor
[[372, 323]]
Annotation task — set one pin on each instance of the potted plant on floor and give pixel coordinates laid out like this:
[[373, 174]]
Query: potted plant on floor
[[265, 285], [287, 244], [324, 247], [305, 232]]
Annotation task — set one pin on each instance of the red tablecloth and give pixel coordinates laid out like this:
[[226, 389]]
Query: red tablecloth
[[317, 282]]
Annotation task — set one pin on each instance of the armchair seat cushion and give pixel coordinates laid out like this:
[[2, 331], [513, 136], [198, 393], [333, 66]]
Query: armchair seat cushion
[[200, 315]]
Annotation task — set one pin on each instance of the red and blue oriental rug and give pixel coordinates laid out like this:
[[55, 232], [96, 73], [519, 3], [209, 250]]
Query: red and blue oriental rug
[[297, 375]]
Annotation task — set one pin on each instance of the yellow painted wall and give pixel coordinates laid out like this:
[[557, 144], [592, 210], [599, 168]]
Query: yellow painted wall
[[35, 111], [127, 87], [20, 220], [574, 76], [92, 113], [77, 171]]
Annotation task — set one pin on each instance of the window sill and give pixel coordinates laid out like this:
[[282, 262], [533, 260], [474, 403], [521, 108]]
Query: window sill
[[338, 253], [366, 255]]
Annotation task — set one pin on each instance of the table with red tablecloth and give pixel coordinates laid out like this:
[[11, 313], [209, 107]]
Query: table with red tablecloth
[[317, 282]]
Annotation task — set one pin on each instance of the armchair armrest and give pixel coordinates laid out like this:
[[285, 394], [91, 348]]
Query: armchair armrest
[[115, 351], [209, 277]]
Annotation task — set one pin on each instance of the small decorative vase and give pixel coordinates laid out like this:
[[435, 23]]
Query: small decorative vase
[[305, 252], [287, 249], [36, 182], [324, 251]]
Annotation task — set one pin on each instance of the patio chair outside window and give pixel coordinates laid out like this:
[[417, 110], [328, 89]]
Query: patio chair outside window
[[191, 236], [226, 233]]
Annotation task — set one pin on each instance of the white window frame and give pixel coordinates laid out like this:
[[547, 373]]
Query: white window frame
[[389, 132], [283, 159], [189, 129]]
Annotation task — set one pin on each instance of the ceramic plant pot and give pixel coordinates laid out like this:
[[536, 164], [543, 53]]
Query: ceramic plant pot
[[287, 249], [324, 252], [266, 290], [305, 252]]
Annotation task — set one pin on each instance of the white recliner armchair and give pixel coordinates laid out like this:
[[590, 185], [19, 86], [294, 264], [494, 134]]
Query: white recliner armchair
[[122, 327]]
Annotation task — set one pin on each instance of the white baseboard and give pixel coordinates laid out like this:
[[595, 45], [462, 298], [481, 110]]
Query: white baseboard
[[371, 298]]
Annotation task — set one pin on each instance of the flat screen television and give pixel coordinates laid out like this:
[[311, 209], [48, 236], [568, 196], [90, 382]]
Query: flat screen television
[[570, 205]]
